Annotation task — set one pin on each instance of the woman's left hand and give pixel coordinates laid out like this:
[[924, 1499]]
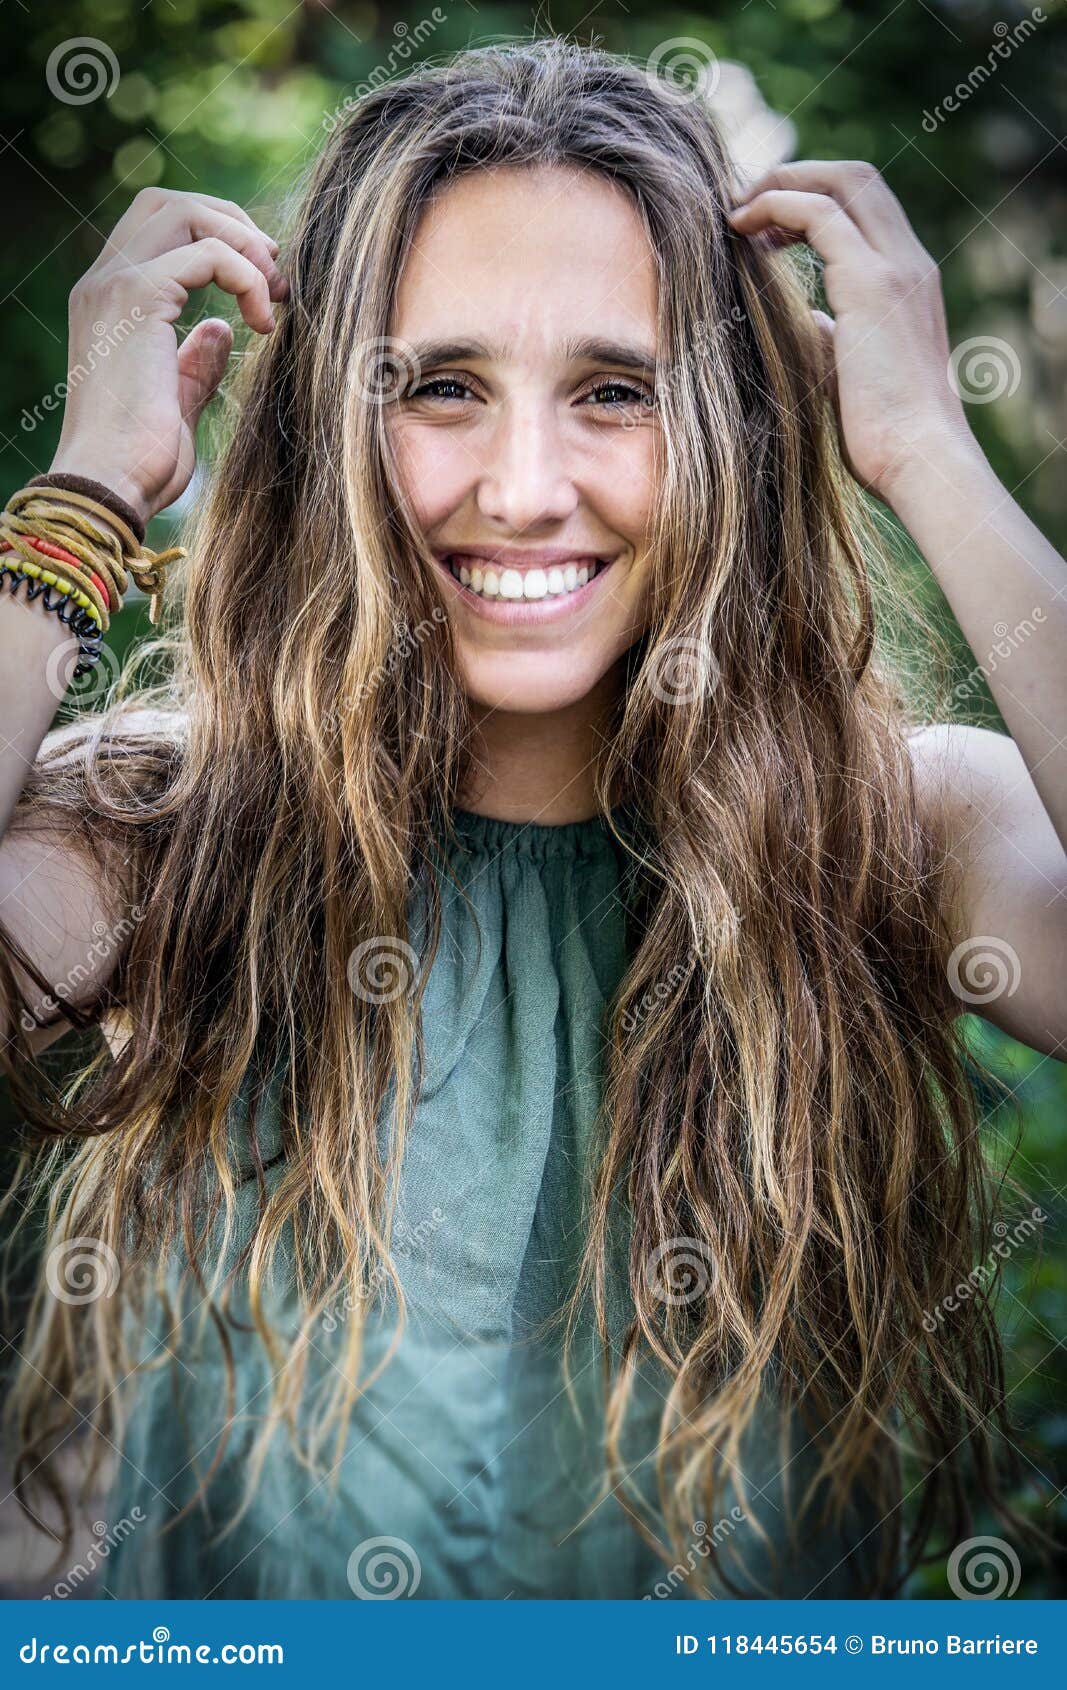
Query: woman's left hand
[[887, 342]]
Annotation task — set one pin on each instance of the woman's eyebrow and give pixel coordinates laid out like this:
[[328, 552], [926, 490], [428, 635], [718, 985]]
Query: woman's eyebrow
[[628, 355]]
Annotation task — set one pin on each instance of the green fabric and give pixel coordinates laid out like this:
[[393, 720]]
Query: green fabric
[[466, 1455]]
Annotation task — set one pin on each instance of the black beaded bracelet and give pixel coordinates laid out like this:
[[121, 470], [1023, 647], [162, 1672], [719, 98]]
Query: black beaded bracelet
[[86, 630]]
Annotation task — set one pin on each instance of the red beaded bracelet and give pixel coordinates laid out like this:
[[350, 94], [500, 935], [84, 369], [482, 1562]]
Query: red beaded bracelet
[[49, 549]]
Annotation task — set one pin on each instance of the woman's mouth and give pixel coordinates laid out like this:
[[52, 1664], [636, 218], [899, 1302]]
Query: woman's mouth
[[534, 593]]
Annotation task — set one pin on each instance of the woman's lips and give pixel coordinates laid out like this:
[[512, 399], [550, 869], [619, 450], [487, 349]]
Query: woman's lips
[[522, 613]]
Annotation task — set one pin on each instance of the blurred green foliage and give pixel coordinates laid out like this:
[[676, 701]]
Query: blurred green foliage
[[230, 96]]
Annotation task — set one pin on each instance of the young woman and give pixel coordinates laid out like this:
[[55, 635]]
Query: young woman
[[529, 923]]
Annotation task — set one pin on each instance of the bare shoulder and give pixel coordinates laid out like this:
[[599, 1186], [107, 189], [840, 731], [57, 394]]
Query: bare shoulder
[[1010, 912], [66, 901]]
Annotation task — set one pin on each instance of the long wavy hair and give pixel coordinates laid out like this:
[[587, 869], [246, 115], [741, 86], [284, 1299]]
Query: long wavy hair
[[785, 1094]]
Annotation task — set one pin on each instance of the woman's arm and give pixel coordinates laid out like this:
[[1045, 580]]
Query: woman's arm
[[130, 424], [905, 437], [1004, 798]]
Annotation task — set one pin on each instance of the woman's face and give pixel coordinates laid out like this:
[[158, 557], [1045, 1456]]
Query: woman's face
[[526, 448]]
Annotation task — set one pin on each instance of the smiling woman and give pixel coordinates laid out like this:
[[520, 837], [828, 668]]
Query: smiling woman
[[536, 1125]]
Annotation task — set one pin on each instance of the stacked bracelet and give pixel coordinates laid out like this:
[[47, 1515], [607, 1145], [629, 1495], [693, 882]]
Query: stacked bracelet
[[51, 518], [57, 595]]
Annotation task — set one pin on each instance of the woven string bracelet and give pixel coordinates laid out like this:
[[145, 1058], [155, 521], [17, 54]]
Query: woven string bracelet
[[55, 514]]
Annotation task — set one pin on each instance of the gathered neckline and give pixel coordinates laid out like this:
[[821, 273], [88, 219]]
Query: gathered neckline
[[477, 833]]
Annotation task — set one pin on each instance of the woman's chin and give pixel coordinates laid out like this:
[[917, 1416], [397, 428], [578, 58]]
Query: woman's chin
[[529, 683]]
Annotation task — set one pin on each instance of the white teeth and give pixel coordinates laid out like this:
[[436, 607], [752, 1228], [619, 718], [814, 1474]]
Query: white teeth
[[534, 584], [513, 584]]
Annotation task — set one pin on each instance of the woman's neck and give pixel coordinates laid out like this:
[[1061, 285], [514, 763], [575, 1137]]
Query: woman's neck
[[539, 767]]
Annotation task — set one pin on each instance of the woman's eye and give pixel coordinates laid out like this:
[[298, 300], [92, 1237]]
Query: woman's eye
[[620, 393], [432, 388]]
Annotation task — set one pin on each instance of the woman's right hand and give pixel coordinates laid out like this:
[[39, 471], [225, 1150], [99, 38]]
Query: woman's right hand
[[130, 421]]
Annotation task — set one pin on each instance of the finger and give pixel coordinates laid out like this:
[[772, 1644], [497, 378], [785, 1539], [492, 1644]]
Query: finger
[[176, 224], [818, 219], [174, 274], [202, 359], [824, 326], [150, 201], [857, 187]]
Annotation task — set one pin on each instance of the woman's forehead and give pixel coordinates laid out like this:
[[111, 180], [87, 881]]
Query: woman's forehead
[[553, 253]]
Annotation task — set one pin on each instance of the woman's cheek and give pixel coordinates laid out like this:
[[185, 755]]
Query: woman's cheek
[[434, 473]]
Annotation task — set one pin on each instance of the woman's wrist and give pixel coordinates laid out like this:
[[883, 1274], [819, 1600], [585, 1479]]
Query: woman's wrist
[[124, 489]]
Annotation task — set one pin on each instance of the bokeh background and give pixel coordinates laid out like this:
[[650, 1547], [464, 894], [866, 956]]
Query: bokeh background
[[960, 103]]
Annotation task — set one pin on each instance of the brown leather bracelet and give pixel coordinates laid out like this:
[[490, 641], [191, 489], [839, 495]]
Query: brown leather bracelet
[[94, 490]]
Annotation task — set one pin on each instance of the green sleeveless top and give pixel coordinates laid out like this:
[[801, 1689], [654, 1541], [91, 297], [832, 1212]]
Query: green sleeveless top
[[468, 1469]]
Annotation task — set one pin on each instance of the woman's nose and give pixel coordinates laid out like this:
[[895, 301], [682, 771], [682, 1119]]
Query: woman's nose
[[525, 478]]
